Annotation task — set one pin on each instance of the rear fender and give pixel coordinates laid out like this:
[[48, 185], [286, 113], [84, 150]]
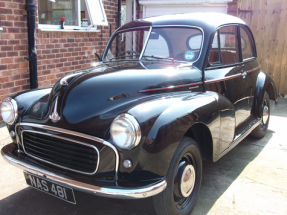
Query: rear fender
[[264, 83]]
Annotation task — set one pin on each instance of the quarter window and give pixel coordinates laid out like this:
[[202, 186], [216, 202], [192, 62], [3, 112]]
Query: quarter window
[[227, 52], [214, 52], [246, 45], [229, 45]]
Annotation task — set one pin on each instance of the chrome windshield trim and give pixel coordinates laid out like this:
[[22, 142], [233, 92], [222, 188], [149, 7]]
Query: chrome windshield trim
[[63, 138], [145, 43], [111, 192], [85, 136]]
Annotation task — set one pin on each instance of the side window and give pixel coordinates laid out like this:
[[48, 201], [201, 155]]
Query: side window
[[229, 45], [214, 52], [246, 45]]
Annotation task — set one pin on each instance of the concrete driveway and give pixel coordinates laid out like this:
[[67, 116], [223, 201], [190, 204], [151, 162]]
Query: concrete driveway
[[251, 179]]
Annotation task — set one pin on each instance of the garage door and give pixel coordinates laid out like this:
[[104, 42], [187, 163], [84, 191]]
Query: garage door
[[157, 10]]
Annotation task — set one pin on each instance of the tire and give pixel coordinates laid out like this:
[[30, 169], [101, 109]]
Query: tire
[[261, 130], [168, 202]]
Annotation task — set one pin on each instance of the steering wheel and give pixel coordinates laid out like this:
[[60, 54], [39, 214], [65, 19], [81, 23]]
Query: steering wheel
[[130, 51]]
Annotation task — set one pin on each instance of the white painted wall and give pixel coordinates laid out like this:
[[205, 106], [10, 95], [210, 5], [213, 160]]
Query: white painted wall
[[157, 10]]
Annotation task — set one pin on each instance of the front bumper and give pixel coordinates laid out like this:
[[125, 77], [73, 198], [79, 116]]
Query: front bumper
[[112, 192]]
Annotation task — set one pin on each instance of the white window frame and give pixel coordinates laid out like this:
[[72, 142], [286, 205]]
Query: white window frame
[[76, 28]]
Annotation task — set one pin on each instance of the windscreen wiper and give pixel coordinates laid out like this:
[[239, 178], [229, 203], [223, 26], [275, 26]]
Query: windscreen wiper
[[158, 57], [130, 56]]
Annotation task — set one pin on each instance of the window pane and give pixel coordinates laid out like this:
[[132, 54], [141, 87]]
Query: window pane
[[157, 46], [229, 45], [127, 45], [51, 12], [182, 44], [97, 12], [214, 54], [246, 45]]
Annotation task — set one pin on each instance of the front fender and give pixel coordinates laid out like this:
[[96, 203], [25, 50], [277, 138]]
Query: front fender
[[173, 119], [25, 100], [264, 83]]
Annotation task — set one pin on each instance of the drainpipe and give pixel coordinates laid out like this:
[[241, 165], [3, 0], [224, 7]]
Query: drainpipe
[[30, 7], [119, 13]]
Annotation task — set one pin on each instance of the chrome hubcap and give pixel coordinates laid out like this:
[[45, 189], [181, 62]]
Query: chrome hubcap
[[187, 180], [265, 115]]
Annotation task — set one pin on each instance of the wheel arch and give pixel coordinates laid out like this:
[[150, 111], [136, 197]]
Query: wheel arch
[[264, 83], [202, 135]]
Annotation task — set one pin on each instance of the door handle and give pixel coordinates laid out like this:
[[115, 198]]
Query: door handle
[[244, 73]]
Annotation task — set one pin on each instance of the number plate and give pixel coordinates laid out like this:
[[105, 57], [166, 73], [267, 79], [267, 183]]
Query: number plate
[[50, 187]]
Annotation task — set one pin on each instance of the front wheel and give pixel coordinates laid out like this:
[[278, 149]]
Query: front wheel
[[183, 181], [261, 130]]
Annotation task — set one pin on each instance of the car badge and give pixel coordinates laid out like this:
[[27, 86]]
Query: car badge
[[55, 116]]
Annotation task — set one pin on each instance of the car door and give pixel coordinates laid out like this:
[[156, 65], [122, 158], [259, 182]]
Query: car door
[[225, 74]]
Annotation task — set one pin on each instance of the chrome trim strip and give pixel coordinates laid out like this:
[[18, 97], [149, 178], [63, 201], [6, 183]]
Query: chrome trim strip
[[240, 138], [64, 80], [230, 77], [55, 116], [63, 138], [89, 137], [116, 192], [170, 87]]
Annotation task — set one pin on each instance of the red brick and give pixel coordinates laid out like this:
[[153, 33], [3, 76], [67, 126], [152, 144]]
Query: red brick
[[3, 67], [5, 11], [14, 77], [6, 48], [6, 60], [25, 87], [14, 89], [13, 30], [13, 42], [8, 84]]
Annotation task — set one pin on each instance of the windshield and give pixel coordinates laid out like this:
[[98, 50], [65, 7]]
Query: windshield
[[164, 43]]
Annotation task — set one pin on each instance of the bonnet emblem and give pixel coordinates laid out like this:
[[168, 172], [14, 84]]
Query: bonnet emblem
[[55, 116]]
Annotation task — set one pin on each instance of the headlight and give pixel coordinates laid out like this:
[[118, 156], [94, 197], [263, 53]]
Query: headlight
[[9, 110], [125, 131]]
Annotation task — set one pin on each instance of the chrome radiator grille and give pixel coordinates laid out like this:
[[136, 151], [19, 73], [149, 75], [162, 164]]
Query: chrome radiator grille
[[62, 152]]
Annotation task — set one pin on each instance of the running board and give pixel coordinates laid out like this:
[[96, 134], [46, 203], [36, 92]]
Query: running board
[[239, 138]]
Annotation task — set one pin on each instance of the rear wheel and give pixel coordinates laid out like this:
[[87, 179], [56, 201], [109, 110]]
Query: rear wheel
[[183, 181], [261, 130]]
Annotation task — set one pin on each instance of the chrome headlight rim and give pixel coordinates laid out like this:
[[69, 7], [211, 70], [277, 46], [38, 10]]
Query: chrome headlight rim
[[135, 127], [14, 108]]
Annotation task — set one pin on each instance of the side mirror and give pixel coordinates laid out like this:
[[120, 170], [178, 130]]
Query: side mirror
[[100, 59]]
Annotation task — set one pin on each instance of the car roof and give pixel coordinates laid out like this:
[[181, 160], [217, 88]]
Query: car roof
[[207, 21], [197, 19]]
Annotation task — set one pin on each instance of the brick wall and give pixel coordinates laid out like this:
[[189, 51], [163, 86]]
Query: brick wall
[[58, 53], [232, 8]]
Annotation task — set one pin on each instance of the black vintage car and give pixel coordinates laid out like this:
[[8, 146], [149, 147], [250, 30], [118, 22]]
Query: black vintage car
[[169, 92]]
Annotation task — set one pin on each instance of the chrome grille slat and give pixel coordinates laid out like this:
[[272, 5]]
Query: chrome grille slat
[[64, 156], [60, 161], [61, 144], [19, 133], [62, 152], [52, 147]]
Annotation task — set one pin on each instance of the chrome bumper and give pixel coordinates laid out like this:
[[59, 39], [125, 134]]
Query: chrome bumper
[[114, 192]]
